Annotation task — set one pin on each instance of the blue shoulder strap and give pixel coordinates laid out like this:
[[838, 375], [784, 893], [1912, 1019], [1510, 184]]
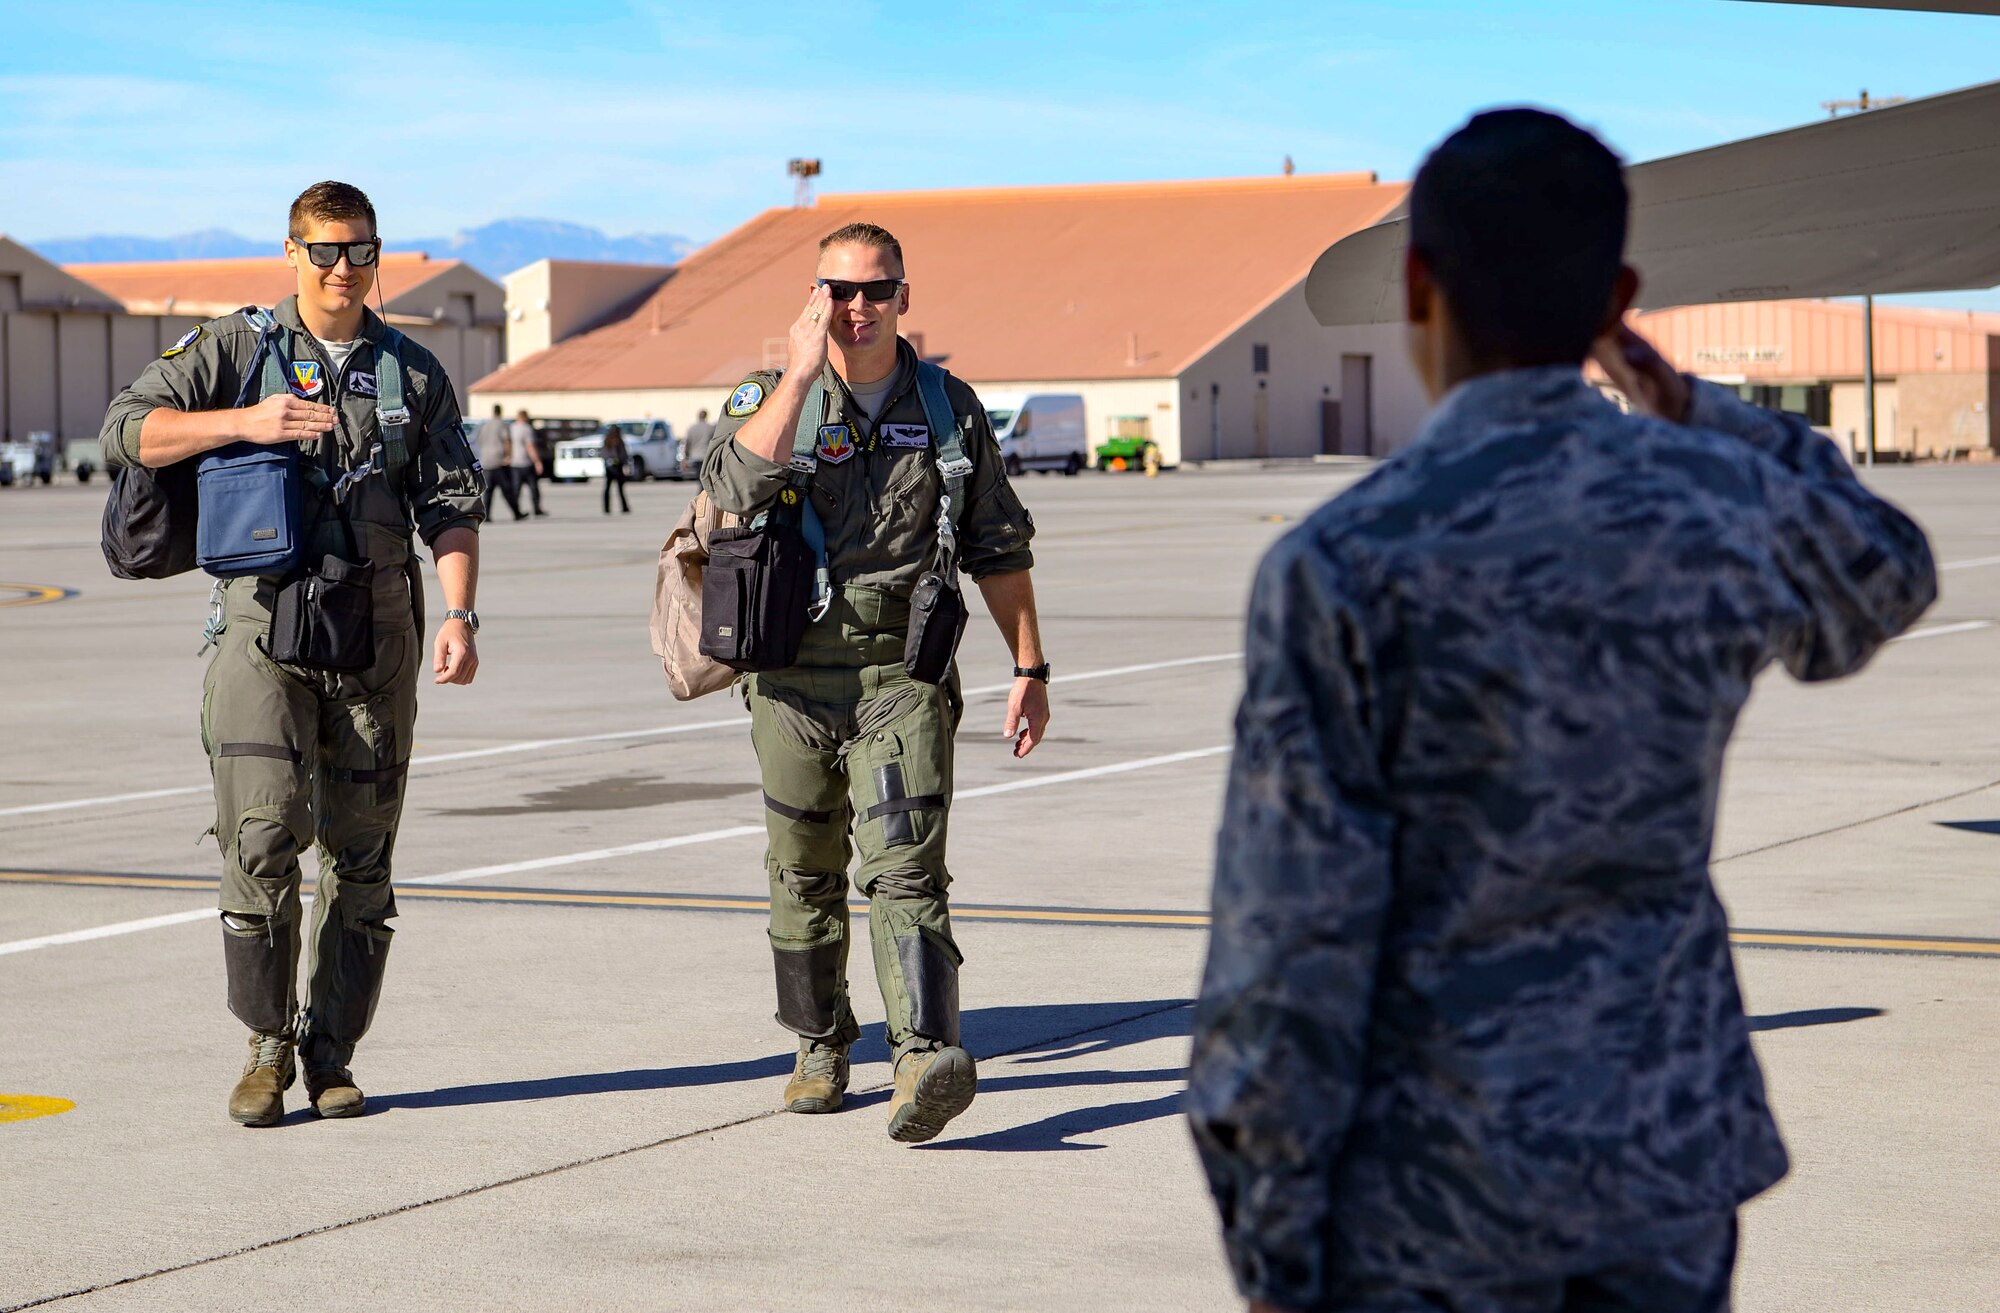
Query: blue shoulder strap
[[954, 466], [805, 464]]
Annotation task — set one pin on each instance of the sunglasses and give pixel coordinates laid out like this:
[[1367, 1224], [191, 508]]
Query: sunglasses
[[359, 254], [878, 291]]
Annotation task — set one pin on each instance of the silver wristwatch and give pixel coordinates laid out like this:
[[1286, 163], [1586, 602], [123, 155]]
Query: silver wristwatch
[[471, 618]]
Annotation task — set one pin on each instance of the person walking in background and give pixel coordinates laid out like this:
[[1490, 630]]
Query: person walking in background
[[524, 459], [1469, 1036], [694, 448], [499, 475], [614, 468]]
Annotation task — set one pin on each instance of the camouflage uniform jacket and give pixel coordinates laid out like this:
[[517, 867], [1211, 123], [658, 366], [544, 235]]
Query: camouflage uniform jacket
[[440, 486], [877, 486], [1469, 1012]]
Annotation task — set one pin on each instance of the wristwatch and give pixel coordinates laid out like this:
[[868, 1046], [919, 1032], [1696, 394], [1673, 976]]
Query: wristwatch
[[471, 618], [1040, 672]]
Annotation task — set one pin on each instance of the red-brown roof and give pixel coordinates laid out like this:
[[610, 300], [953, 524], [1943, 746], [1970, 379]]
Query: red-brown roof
[[1017, 283], [204, 289]]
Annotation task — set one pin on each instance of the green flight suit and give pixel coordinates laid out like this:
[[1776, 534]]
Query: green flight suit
[[303, 757], [854, 753]]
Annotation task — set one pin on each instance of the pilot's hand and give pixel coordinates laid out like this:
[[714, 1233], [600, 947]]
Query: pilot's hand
[[1027, 714], [454, 659], [1654, 387], [806, 353], [285, 418]]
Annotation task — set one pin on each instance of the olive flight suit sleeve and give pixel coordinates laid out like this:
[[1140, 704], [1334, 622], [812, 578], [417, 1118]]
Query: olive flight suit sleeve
[[442, 478], [1302, 886], [997, 528], [199, 372], [739, 481], [1860, 569]]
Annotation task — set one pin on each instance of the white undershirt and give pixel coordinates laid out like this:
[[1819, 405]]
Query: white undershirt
[[337, 352]]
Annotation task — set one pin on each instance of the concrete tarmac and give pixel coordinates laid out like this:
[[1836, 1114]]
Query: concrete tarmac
[[574, 1074]]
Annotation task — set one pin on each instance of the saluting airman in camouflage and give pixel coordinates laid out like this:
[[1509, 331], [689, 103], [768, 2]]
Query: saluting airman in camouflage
[[306, 757], [854, 752], [1470, 1037]]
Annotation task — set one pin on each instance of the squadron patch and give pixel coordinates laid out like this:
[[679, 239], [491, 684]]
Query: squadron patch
[[745, 400], [188, 339], [836, 443], [906, 435], [361, 383], [306, 379]]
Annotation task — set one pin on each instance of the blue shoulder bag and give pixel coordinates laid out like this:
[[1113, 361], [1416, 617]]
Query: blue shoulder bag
[[250, 494]]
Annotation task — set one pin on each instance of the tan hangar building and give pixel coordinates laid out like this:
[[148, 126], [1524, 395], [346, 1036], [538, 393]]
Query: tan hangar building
[[1937, 372], [1176, 310]]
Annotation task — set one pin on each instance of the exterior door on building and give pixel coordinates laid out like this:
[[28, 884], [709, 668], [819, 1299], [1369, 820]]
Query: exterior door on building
[[1329, 428], [1262, 420], [1357, 405]]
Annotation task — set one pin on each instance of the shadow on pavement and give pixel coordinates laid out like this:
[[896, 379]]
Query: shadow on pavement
[[1047, 1031], [1812, 1017]]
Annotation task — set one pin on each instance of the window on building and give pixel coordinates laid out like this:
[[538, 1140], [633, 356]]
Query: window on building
[[1260, 358], [1811, 401]]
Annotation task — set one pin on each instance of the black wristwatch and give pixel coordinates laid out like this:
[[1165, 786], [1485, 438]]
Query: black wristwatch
[[1040, 672]]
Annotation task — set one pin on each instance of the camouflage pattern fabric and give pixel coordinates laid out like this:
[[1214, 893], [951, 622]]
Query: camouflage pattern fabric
[[1469, 1015]]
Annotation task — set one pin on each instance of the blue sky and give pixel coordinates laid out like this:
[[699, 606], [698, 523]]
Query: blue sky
[[663, 117]]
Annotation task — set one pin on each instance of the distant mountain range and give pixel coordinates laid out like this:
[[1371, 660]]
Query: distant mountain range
[[495, 249]]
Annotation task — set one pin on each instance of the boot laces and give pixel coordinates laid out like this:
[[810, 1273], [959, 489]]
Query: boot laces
[[821, 1062], [272, 1050]]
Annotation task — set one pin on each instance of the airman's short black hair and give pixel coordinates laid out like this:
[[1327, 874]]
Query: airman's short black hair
[[1520, 216]]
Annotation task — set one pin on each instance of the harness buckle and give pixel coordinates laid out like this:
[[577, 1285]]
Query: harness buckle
[[392, 418], [957, 468]]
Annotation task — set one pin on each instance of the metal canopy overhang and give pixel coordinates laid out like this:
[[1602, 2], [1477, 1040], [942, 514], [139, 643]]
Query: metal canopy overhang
[[1903, 199], [1933, 6]]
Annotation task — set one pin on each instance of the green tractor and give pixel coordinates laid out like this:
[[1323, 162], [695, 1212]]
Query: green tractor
[[1129, 448]]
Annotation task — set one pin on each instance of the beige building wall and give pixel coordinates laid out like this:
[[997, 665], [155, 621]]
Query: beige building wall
[[1847, 414], [1107, 400], [1309, 365], [56, 349], [551, 300], [1942, 414]]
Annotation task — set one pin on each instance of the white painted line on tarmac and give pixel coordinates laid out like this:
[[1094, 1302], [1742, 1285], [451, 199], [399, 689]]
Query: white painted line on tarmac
[[1972, 564], [623, 850], [1939, 631], [536, 745], [106, 931]]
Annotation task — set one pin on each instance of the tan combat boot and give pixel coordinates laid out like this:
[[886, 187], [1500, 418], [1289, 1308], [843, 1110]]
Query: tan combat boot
[[259, 1098], [333, 1092], [819, 1077], [932, 1087]]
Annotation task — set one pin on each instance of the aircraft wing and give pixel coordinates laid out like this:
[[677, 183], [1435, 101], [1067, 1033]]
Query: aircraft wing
[[1903, 199]]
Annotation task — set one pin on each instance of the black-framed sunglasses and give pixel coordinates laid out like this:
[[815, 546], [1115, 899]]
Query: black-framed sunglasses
[[877, 290], [359, 254]]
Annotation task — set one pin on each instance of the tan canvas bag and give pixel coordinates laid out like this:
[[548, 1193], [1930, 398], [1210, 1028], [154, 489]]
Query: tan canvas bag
[[676, 621]]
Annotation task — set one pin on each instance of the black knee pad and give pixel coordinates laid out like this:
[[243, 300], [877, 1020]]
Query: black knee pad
[[809, 989], [930, 977], [257, 960], [361, 957]]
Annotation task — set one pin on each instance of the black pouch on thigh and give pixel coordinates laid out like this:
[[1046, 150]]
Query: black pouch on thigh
[[937, 621], [755, 591], [897, 808], [324, 618]]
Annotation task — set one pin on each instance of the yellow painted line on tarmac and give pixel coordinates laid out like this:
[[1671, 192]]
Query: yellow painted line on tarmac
[[23, 1107], [32, 594], [1936, 946]]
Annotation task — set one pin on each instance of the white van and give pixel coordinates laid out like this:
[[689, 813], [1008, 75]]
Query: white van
[[1039, 431]]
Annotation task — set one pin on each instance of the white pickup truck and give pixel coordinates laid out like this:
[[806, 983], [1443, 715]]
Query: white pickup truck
[[651, 452]]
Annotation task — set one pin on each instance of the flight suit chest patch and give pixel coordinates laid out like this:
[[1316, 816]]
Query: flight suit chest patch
[[361, 382], [906, 435], [836, 443], [307, 380]]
